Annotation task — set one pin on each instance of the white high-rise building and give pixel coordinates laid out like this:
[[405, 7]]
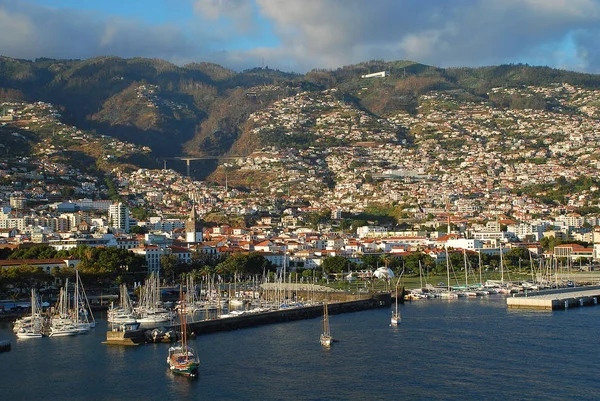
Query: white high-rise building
[[118, 217]]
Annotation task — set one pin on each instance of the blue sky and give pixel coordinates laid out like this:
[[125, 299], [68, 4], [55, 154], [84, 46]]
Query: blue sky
[[299, 35]]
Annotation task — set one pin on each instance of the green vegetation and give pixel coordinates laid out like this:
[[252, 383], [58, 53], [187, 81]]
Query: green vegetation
[[556, 193], [113, 193]]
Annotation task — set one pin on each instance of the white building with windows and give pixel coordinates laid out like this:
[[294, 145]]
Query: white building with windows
[[152, 254], [118, 217]]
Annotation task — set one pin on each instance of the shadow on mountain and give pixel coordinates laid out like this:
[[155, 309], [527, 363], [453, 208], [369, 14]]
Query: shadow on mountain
[[15, 142], [163, 144]]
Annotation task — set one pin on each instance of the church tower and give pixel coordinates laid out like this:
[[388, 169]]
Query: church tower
[[193, 228]]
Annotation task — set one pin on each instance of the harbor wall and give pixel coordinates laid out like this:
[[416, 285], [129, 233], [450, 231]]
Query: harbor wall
[[285, 315]]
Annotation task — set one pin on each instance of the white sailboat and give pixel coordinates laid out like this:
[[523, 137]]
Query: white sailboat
[[31, 327], [122, 314], [85, 315], [149, 313], [396, 318], [62, 323], [326, 339]]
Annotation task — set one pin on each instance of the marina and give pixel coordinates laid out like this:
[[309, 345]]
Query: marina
[[558, 299], [488, 346], [131, 335]]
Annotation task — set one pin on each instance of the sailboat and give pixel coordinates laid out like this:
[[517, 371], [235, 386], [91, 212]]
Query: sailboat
[[396, 318], [182, 358], [326, 339], [31, 327]]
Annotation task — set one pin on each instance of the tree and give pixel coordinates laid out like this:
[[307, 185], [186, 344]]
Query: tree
[[515, 255], [245, 263], [168, 267], [345, 225], [548, 243], [200, 259], [370, 260], [138, 230], [35, 252], [358, 223], [335, 264], [388, 260]]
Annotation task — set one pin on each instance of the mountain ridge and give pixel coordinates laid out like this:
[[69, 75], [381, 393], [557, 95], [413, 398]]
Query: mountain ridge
[[203, 108]]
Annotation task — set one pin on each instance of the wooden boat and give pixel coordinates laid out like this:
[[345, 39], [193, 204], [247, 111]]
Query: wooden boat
[[326, 339], [182, 358]]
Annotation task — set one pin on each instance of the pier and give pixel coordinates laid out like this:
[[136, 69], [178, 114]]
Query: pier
[[556, 299], [287, 315], [136, 337]]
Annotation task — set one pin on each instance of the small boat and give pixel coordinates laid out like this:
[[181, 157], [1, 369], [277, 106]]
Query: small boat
[[31, 326], [326, 339], [182, 358], [65, 330], [396, 318], [25, 333]]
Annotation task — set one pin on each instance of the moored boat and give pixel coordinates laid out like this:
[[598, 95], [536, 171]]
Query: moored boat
[[395, 320], [31, 326], [326, 339], [182, 358]]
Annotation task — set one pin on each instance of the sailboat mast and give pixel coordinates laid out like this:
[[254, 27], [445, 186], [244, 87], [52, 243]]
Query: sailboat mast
[[76, 297], [397, 296], [501, 266], [447, 266], [182, 318], [479, 256], [466, 269]]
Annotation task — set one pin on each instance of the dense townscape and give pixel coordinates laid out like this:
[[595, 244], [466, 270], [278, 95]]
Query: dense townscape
[[488, 172]]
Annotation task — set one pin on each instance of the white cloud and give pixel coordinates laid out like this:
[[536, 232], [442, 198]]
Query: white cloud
[[321, 33], [240, 12], [31, 31], [332, 33]]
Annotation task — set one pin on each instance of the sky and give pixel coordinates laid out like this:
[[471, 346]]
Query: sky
[[301, 35]]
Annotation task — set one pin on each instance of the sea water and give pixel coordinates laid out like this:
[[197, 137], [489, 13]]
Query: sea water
[[472, 348]]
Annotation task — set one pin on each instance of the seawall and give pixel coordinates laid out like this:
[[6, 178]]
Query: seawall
[[286, 315]]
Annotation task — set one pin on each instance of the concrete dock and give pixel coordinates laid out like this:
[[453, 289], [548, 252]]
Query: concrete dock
[[135, 337], [564, 298], [287, 315]]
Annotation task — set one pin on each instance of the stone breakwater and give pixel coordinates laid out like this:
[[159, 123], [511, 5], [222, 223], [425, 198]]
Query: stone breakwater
[[286, 315]]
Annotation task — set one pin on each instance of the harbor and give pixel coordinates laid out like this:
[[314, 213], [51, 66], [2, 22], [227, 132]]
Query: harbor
[[563, 298], [276, 361], [288, 314], [136, 336]]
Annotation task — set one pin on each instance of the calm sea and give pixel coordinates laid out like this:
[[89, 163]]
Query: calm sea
[[471, 349]]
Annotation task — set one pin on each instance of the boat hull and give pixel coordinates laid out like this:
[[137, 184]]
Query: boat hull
[[326, 340], [190, 370], [29, 335]]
